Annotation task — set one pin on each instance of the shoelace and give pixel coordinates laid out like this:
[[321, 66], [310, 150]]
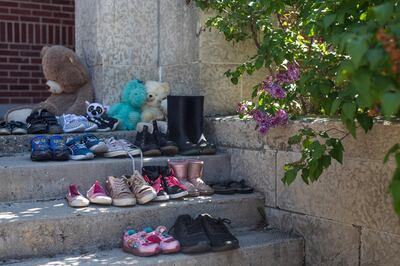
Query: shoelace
[[136, 180], [121, 186], [173, 181], [126, 146]]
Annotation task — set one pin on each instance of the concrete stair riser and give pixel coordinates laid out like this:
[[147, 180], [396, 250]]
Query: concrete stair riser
[[268, 248], [23, 179], [49, 228]]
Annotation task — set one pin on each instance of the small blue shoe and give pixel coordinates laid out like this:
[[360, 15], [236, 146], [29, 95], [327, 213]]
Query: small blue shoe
[[40, 150], [60, 151], [78, 150], [94, 144]]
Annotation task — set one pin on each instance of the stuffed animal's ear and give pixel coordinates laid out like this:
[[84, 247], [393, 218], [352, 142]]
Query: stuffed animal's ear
[[44, 50], [87, 104], [165, 86], [106, 108]]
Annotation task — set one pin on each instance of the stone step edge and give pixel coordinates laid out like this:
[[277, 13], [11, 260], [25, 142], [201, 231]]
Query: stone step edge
[[257, 247]]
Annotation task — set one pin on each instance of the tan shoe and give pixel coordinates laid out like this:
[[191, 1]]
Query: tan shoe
[[195, 174], [180, 169], [142, 190], [118, 190]]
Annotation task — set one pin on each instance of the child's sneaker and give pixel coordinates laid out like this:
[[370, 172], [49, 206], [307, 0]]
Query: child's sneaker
[[120, 147], [78, 150], [75, 198], [102, 124], [94, 144], [143, 192], [136, 243], [70, 124], [172, 186], [40, 150], [97, 195], [167, 243], [89, 126], [58, 148], [152, 176], [119, 191]]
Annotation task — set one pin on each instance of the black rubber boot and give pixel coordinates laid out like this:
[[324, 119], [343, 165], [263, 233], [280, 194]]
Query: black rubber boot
[[178, 118], [195, 124]]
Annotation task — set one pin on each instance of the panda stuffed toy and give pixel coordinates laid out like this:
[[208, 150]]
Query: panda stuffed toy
[[96, 113]]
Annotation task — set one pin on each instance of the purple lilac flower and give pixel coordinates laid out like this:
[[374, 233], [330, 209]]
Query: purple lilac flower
[[274, 89], [242, 108], [293, 73], [281, 118], [266, 121]]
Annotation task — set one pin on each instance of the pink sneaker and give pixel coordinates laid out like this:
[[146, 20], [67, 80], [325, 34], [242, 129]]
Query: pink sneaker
[[137, 244], [167, 243], [75, 198], [97, 195]]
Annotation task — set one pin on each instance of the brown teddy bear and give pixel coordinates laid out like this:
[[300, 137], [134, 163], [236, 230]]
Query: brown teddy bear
[[69, 84]]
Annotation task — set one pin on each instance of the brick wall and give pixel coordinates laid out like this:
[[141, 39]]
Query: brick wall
[[25, 27]]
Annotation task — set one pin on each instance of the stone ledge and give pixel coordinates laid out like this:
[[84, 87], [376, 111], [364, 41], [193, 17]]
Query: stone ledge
[[231, 131]]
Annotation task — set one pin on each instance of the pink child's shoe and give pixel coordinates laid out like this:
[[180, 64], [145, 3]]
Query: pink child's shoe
[[97, 195], [167, 243], [75, 198], [137, 244]]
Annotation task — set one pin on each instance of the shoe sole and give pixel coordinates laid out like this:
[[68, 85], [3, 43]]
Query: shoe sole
[[115, 125], [99, 148], [41, 156], [124, 202], [234, 245], [61, 156], [100, 200], [88, 156], [201, 247], [178, 195], [170, 251], [115, 154], [76, 129], [78, 205], [207, 193], [193, 194], [152, 153], [19, 131], [5, 132], [55, 131], [141, 254], [42, 129], [103, 129], [161, 198], [169, 150], [146, 198], [190, 152]]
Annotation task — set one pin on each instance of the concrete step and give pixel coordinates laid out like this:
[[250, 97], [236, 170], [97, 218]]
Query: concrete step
[[47, 228], [22, 179], [17, 144], [263, 248]]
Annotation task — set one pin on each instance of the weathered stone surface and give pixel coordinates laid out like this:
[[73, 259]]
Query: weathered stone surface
[[379, 248], [355, 193], [373, 145], [327, 242], [23, 179], [215, 49], [189, 85], [258, 169], [256, 248], [51, 227]]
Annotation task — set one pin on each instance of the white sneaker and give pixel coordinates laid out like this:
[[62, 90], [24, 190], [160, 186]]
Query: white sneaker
[[89, 126], [70, 124], [120, 147], [75, 198]]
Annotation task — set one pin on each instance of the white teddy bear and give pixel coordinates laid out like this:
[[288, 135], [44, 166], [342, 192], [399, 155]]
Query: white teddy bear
[[156, 93]]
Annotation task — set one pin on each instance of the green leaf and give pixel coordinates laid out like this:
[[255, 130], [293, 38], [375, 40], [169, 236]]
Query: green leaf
[[395, 191], [317, 150], [235, 80], [290, 176], [357, 48], [375, 57], [259, 62], [350, 125], [337, 152], [328, 20], [390, 103], [392, 150], [349, 110], [335, 105], [383, 12], [362, 82], [365, 121], [296, 139]]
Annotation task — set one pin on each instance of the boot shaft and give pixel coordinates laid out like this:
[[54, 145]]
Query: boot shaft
[[195, 169], [180, 169]]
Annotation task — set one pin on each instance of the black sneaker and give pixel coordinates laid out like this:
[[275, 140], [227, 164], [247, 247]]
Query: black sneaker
[[5, 128], [112, 122], [18, 128], [53, 127], [151, 175], [147, 143], [36, 124], [167, 147], [172, 186], [220, 237], [190, 234], [102, 125]]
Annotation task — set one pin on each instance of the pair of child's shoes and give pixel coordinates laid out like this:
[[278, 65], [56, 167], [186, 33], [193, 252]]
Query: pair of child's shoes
[[49, 148], [95, 195], [85, 147], [149, 242]]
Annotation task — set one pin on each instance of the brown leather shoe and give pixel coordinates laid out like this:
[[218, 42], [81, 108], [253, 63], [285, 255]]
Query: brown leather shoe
[[195, 174], [180, 169]]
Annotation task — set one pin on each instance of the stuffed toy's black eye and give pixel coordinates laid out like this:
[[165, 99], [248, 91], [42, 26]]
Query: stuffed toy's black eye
[[91, 108], [98, 109]]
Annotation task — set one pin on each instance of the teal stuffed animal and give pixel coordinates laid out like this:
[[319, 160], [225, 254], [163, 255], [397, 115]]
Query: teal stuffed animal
[[128, 111]]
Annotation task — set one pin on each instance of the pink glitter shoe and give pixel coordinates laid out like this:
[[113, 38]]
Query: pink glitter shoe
[[136, 243], [160, 236]]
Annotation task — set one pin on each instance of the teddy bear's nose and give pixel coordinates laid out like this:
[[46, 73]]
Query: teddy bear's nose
[[150, 96]]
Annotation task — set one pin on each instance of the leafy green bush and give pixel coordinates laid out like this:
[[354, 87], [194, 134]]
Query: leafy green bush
[[336, 58]]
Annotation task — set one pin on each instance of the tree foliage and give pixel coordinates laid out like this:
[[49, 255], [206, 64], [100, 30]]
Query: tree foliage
[[349, 58]]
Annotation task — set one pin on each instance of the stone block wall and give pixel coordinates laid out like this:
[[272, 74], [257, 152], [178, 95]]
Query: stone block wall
[[346, 217], [159, 40]]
